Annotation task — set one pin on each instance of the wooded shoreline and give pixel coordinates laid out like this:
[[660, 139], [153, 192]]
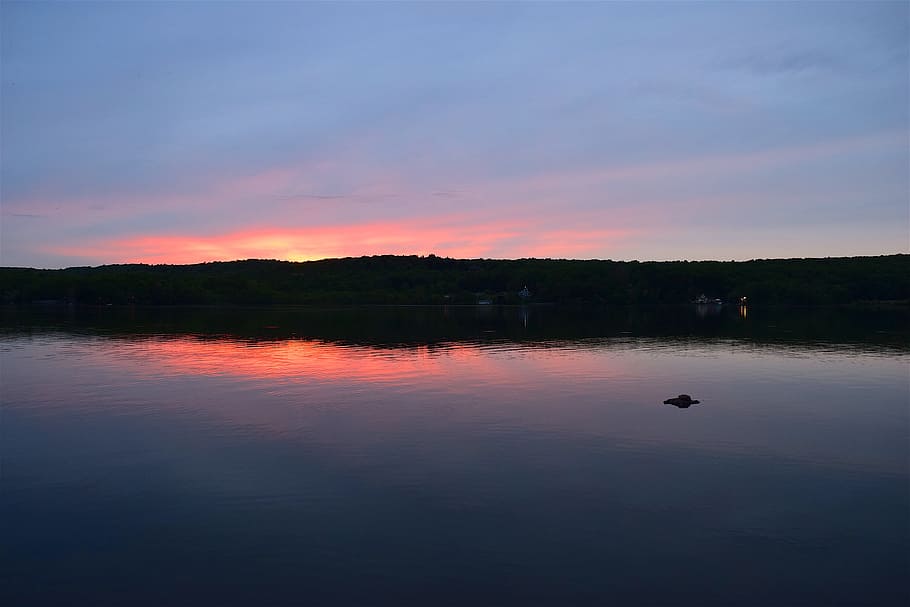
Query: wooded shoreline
[[389, 279]]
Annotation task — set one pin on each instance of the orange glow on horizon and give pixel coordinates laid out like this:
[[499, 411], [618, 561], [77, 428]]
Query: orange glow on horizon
[[298, 212], [305, 244]]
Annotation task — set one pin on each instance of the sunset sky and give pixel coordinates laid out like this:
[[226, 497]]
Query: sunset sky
[[174, 132]]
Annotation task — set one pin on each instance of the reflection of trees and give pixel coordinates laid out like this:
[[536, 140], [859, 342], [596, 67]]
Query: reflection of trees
[[882, 329], [703, 310]]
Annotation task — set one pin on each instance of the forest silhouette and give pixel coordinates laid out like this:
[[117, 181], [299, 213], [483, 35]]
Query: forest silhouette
[[388, 279]]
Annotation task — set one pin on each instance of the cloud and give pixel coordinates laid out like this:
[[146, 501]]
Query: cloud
[[577, 212], [144, 122], [774, 62], [306, 196], [26, 215]]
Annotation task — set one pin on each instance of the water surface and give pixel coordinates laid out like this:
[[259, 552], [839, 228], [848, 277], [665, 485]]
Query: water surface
[[484, 456]]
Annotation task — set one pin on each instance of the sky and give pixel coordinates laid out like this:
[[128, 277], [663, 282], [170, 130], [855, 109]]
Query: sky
[[183, 132]]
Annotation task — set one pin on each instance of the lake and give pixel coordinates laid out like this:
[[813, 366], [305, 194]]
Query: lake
[[455, 456]]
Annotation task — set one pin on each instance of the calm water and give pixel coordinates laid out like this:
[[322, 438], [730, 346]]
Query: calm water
[[466, 456]]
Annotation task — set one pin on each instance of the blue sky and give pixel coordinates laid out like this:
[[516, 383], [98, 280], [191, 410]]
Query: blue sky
[[193, 131]]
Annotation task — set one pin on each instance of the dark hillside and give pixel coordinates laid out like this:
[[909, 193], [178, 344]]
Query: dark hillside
[[435, 280]]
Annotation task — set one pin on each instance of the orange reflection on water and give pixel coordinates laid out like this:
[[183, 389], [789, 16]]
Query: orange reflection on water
[[279, 386], [298, 360]]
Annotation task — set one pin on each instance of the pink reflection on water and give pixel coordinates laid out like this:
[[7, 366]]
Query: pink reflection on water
[[439, 367]]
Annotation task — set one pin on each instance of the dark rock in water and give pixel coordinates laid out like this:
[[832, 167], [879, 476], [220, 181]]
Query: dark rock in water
[[682, 401]]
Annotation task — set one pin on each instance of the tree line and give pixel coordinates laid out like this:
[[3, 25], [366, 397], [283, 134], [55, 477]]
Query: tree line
[[389, 279]]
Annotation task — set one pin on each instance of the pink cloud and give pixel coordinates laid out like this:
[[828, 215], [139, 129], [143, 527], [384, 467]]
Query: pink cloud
[[302, 211]]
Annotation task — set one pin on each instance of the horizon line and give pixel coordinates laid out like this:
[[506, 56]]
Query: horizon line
[[433, 255]]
